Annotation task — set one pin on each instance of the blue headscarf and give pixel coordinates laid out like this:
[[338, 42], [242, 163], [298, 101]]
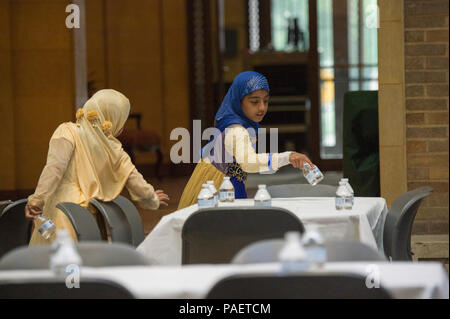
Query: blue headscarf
[[230, 112]]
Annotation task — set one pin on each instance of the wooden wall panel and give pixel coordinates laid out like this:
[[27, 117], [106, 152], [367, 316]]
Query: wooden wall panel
[[7, 154], [41, 80]]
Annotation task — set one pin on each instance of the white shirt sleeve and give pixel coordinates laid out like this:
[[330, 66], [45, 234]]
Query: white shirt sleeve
[[238, 142]]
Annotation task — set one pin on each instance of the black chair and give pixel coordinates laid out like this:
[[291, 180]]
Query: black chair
[[215, 235], [15, 229], [399, 222], [82, 221], [267, 251], [93, 254], [53, 288], [3, 204], [116, 221], [134, 219], [301, 190], [298, 286]]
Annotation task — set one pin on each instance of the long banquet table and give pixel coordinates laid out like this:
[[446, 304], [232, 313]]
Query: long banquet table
[[364, 222], [403, 280]]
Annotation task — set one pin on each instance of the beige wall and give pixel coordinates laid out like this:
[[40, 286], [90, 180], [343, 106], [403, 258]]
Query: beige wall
[[140, 50], [37, 79], [391, 101], [7, 156]]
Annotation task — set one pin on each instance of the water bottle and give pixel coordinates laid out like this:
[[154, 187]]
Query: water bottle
[[313, 175], [262, 197], [314, 245], [350, 200], [205, 197], [63, 254], [226, 191], [292, 255], [45, 227], [341, 195], [213, 190]]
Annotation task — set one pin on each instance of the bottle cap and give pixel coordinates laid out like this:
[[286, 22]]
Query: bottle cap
[[292, 235], [312, 236], [210, 182], [262, 186]]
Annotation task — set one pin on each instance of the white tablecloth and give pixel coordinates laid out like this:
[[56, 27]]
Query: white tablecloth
[[401, 279], [364, 222]]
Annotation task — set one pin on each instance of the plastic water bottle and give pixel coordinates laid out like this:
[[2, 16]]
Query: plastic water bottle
[[341, 195], [350, 200], [313, 175], [292, 255], [226, 191], [45, 227], [205, 197], [64, 253], [314, 245], [262, 197], [213, 190]]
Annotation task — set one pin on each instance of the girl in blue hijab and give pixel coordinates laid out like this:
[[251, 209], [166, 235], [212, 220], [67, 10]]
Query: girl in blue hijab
[[231, 152]]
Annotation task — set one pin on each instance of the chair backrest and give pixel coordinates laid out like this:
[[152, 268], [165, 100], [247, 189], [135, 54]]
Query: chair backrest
[[215, 235], [266, 251], [301, 190], [82, 221], [116, 220], [3, 204], [134, 219], [399, 222], [298, 286], [93, 254], [15, 229], [52, 288]]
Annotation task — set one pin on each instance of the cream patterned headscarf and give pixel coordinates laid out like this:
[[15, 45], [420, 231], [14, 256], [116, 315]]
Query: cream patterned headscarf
[[102, 165]]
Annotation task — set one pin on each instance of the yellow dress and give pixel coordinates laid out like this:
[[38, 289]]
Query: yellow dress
[[86, 161], [239, 144]]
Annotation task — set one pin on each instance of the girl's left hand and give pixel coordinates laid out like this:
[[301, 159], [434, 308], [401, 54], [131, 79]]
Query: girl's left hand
[[163, 198]]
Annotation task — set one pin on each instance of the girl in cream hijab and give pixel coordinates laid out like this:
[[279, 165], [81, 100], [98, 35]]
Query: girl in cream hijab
[[85, 160]]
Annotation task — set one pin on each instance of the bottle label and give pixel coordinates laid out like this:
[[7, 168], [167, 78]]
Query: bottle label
[[46, 226], [340, 201], [223, 196], [230, 195], [206, 203], [310, 176], [349, 200], [317, 254]]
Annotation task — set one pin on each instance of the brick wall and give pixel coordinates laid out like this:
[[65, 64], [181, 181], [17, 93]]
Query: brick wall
[[426, 86]]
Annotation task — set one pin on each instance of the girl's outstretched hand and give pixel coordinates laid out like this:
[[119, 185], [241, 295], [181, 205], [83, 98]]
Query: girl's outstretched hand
[[163, 198], [297, 160]]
